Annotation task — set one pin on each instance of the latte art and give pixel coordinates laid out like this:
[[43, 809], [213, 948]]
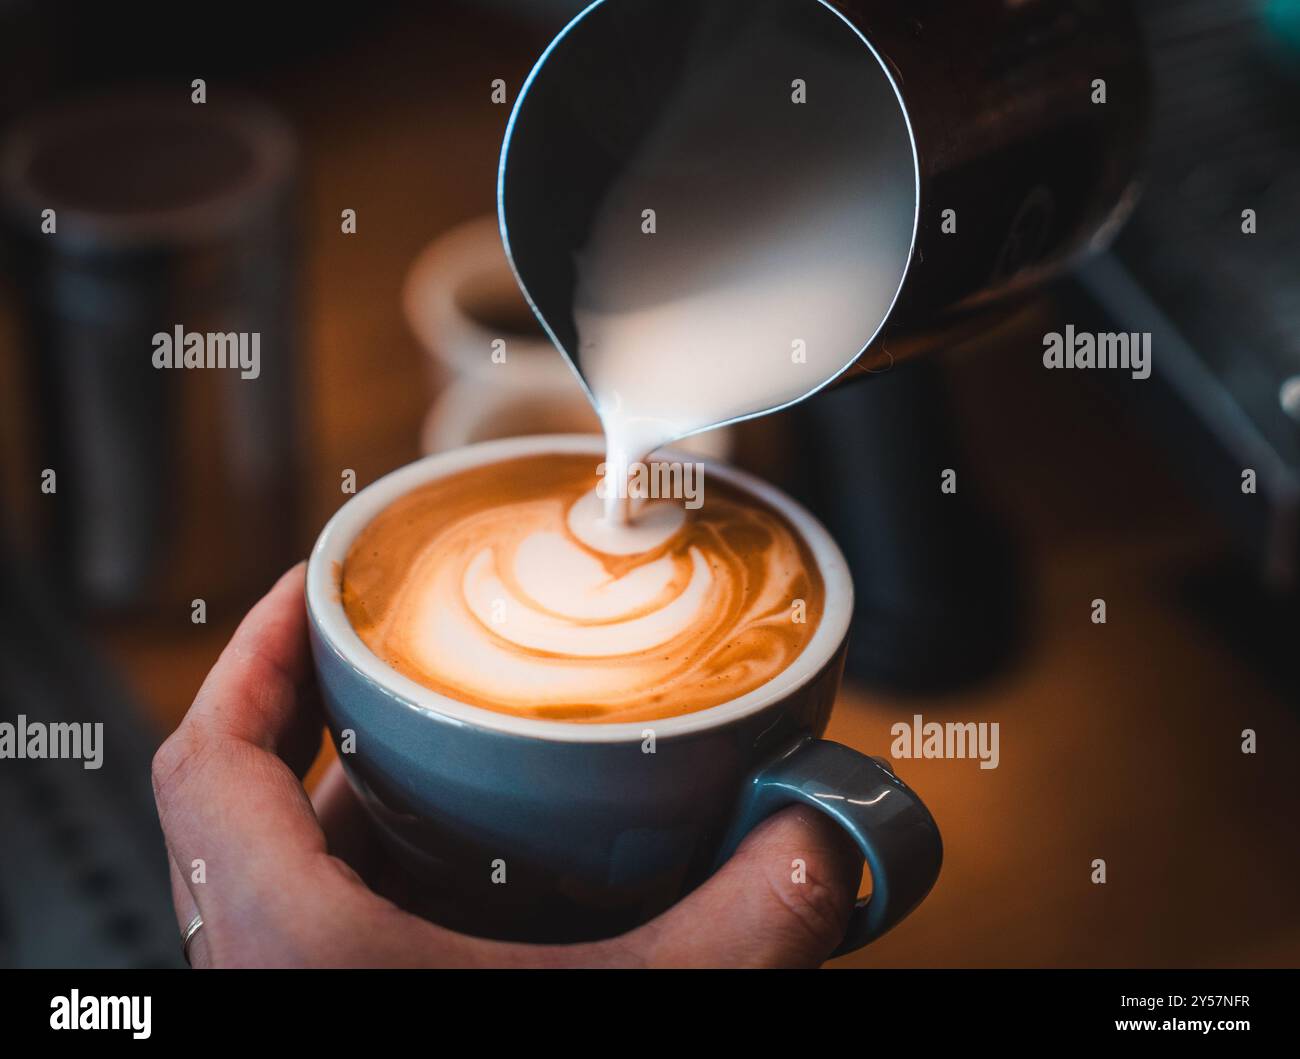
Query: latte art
[[492, 588]]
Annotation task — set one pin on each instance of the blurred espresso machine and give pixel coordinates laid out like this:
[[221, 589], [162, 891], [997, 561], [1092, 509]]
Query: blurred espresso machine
[[137, 221]]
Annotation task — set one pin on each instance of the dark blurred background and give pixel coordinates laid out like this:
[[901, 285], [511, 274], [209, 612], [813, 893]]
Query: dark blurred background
[[1120, 741]]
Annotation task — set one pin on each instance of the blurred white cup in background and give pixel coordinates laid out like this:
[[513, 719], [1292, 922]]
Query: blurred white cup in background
[[462, 303]]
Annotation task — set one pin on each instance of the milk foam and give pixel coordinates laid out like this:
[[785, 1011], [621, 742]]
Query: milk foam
[[647, 525], [479, 587]]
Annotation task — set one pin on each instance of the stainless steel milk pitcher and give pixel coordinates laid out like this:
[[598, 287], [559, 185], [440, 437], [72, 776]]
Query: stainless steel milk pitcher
[[997, 140]]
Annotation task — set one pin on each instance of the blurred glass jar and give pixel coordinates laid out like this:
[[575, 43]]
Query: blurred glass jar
[[128, 218]]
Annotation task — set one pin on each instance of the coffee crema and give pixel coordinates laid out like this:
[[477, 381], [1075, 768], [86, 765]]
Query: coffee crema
[[477, 587]]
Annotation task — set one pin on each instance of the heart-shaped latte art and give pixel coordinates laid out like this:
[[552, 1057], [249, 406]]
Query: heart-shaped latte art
[[477, 587]]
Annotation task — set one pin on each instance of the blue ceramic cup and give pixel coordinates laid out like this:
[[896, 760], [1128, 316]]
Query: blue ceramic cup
[[558, 831]]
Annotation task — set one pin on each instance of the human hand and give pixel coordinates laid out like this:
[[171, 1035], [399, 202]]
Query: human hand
[[295, 881]]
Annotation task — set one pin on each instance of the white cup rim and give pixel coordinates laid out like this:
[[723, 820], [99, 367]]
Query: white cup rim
[[325, 604]]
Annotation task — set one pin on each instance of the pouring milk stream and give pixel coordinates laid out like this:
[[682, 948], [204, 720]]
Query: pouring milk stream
[[749, 249]]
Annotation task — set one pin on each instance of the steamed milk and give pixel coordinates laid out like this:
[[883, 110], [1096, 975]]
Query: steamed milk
[[782, 231]]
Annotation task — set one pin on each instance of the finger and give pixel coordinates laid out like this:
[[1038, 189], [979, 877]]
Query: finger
[[351, 837], [262, 689], [751, 913], [348, 834], [186, 909], [234, 814], [783, 900]]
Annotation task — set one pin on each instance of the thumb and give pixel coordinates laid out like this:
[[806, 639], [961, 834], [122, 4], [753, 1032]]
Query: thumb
[[783, 900]]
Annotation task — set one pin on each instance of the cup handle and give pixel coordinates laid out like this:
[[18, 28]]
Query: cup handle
[[893, 828]]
